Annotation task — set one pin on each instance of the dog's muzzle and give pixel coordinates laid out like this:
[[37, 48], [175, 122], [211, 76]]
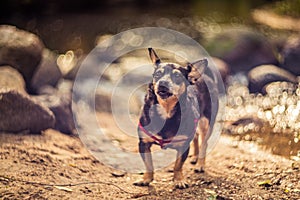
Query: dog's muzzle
[[163, 90]]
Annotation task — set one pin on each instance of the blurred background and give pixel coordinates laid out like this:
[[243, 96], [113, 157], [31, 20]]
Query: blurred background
[[75, 24], [255, 43]]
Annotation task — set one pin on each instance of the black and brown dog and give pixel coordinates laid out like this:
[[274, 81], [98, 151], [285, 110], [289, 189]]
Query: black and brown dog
[[177, 110]]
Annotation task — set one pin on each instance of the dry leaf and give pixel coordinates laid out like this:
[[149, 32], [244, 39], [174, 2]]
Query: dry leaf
[[63, 188], [266, 183]]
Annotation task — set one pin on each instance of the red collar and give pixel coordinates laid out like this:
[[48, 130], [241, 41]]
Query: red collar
[[163, 142]]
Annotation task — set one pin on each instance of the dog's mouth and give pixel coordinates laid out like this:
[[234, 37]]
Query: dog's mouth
[[164, 92]]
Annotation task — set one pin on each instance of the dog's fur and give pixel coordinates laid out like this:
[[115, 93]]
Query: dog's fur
[[168, 114]]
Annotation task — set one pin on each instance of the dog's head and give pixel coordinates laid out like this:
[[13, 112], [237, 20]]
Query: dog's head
[[170, 79]]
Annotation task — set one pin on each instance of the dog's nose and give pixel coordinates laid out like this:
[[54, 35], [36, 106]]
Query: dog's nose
[[163, 90], [163, 84]]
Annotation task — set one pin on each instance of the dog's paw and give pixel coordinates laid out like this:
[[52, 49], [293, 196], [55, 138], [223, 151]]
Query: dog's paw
[[181, 184], [146, 180], [199, 169], [194, 160], [142, 182]]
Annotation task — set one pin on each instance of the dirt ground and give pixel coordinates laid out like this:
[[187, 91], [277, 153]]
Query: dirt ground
[[57, 166], [52, 165]]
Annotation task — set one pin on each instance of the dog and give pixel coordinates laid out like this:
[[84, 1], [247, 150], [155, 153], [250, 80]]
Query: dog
[[177, 110]]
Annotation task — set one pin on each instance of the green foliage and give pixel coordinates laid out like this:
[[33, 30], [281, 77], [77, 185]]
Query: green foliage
[[288, 7]]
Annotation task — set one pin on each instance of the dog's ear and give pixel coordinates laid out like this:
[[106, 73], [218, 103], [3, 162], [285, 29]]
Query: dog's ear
[[153, 56], [196, 69]]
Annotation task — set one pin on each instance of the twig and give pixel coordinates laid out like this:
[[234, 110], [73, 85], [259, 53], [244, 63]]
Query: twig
[[135, 195]]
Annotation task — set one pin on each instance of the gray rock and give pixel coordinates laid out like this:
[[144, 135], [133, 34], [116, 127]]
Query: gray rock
[[262, 75], [47, 73], [291, 55], [61, 108], [245, 125], [222, 67], [20, 113], [278, 87], [11, 79], [21, 50], [58, 100], [242, 49]]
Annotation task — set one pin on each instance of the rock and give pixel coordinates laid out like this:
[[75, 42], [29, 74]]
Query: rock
[[58, 100], [291, 55], [18, 112], [47, 73], [278, 87], [21, 50], [61, 108], [118, 173], [248, 120], [65, 121], [250, 124], [242, 49], [47, 89], [11, 79], [262, 75], [222, 67]]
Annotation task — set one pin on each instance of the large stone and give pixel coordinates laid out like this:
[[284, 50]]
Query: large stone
[[222, 67], [262, 75], [291, 55], [242, 49], [58, 100], [18, 112], [278, 87], [11, 79], [21, 50], [47, 73], [245, 125]]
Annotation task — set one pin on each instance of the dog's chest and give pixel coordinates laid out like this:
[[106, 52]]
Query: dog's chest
[[161, 121], [163, 112]]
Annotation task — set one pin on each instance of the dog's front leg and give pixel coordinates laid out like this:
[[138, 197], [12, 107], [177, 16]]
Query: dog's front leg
[[195, 155], [145, 152], [204, 127], [178, 176]]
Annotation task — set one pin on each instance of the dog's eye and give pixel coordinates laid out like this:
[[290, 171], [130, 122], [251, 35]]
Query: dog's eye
[[158, 74], [177, 75], [177, 78]]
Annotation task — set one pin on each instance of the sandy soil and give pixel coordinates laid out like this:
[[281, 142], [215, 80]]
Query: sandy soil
[[57, 166]]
